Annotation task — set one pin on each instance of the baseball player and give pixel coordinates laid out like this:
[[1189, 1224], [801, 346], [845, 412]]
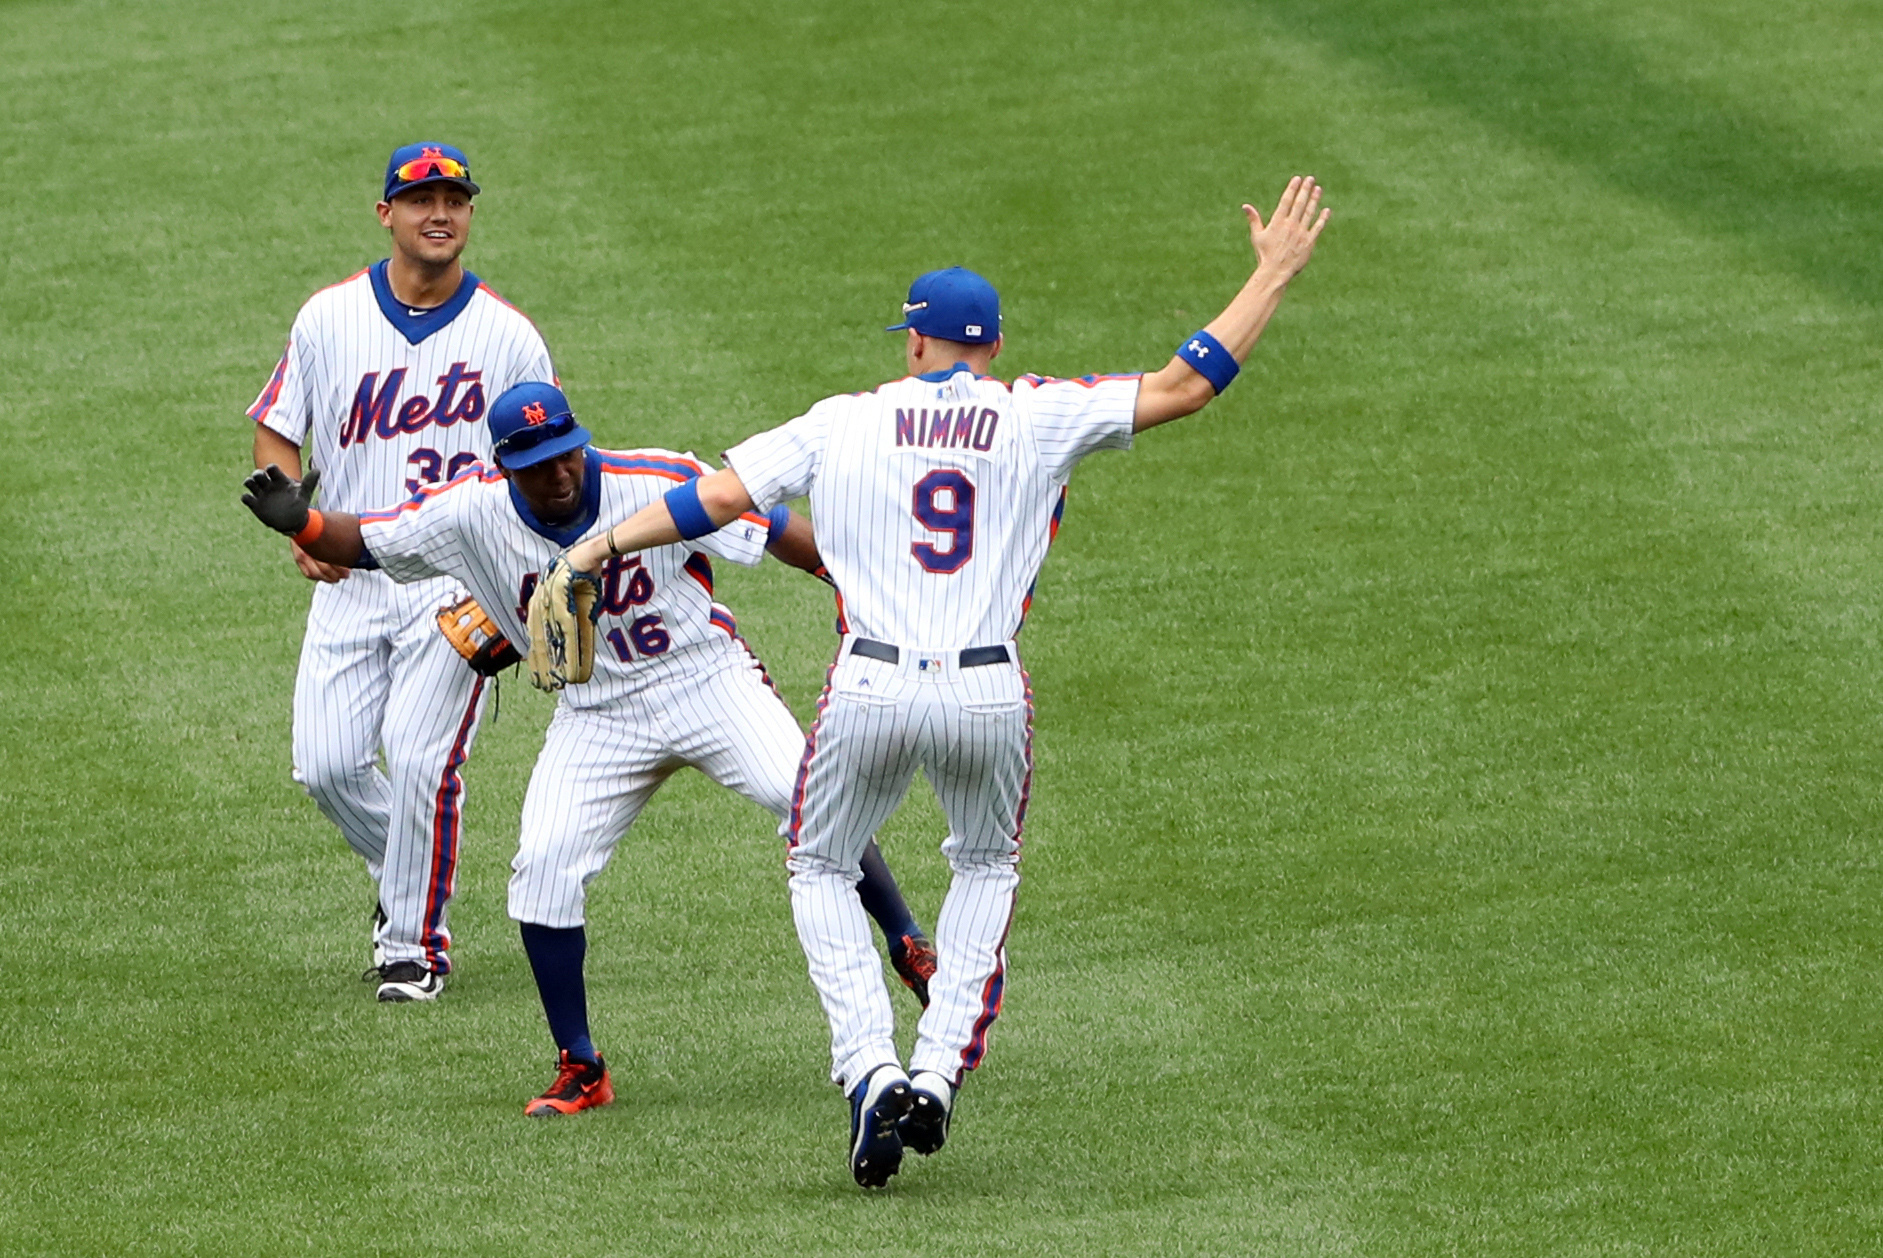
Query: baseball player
[[934, 498], [388, 375], [674, 684]]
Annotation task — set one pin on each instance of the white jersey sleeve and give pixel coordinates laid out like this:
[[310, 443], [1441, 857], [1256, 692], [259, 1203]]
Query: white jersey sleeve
[[533, 360], [424, 536], [742, 541], [1074, 418], [781, 464], [286, 403]]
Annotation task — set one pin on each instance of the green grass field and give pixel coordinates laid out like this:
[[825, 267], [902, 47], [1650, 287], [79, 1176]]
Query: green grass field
[[1455, 819]]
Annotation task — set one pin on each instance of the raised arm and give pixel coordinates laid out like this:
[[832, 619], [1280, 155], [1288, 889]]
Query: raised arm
[[272, 447], [1283, 246], [331, 538], [694, 509]]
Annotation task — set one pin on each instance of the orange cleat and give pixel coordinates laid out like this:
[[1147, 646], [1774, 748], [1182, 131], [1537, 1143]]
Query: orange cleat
[[913, 959], [579, 1085]]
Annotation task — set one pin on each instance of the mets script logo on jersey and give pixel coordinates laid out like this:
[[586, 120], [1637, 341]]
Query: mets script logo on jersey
[[947, 428], [625, 584], [460, 400]]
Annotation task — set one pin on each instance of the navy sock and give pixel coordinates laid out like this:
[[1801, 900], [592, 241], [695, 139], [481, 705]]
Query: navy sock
[[556, 959], [882, 898]]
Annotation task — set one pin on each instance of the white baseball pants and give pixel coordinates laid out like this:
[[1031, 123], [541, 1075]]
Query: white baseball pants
[[376, 674], [970, 730], [713, 710]]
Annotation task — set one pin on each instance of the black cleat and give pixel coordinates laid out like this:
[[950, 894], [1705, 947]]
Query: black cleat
[[877, 1109], [932, 1104], [408, 980]]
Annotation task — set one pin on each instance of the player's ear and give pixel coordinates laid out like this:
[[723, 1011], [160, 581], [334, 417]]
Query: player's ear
[[995, 352], [385, 214]]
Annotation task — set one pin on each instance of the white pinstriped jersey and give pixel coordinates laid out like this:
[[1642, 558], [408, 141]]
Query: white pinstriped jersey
[[395, 400], [934, 497], [655, 604]]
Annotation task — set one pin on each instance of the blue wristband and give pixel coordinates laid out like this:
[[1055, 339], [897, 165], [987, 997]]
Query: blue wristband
[[780, 518], [1209, 359], [683, 501]]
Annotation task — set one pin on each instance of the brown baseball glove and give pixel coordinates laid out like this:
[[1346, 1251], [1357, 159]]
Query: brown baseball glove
[[476, 637]]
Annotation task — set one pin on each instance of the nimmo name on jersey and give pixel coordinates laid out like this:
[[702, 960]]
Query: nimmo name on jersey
[[373, 413], [947, 428]]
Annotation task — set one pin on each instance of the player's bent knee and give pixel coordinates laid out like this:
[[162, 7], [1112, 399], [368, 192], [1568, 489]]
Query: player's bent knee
[[330, 783], [970, 861], [804, 862], [547, 891]]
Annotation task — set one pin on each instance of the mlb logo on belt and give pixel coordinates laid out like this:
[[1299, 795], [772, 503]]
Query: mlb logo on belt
[[929, 664]]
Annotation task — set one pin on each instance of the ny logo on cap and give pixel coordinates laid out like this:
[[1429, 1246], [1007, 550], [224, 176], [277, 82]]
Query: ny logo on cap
[[534, 413]]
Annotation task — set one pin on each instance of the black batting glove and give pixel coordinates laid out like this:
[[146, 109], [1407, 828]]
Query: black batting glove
[[279, 502]]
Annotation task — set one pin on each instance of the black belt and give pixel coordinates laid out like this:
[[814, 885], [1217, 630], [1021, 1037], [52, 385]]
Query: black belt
[[973, 657]]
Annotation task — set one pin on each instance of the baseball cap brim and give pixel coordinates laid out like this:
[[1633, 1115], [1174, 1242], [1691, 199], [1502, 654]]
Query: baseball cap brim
[[555, 447]]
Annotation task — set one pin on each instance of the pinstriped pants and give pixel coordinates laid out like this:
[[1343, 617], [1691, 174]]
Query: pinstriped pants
[[712, 710], [376, 673], [970, 731]]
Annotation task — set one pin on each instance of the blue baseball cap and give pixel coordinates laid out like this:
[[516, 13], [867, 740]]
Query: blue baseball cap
[[415, 164], [955, 305], [531, 424]]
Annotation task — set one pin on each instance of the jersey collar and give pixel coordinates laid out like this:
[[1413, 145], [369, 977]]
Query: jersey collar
[[945, 375], [567, 535], [416, 327]]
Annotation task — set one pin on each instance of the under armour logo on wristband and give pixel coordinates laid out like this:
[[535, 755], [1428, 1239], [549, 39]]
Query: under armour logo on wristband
[[1200, 351]]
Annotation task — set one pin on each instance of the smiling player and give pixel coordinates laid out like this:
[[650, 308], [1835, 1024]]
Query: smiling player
[[387, 377]]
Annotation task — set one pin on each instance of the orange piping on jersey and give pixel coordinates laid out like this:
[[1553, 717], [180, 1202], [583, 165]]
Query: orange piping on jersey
[[497, 297], [348, 280], [476, 471], [1086, 382]]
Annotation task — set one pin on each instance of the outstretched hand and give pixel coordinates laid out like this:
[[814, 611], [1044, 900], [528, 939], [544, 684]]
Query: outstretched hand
[[1286, 241], [279, 501]]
